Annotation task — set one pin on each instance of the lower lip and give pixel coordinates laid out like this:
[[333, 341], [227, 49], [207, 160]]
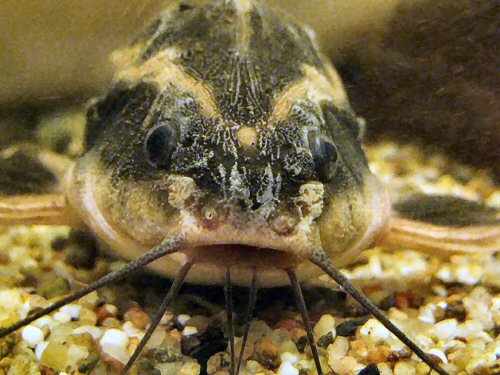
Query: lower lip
[[244, 256]]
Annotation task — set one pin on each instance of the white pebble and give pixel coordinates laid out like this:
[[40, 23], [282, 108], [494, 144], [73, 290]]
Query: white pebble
[[114, 343], [73, 310], [439, 353], [427, 313], [95, 332], [40, 347], [182, 319], [445, 329], [325, 325], [444, 274], [62, 317], [131, 330], [289, 357], [424, 341], [189, 331], [32, 335], [375, 265], [442, 304], [46, 321], [468, 274], [338, 349], [287, 369], [469, 327], [374, 330], [114, 337]]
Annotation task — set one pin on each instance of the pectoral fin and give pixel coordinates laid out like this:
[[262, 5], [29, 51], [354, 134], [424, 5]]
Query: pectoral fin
[[30, 169], [46, 209], [443, 225], [32, 188]]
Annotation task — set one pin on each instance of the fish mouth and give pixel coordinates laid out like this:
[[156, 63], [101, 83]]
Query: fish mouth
[[244, 256], [245, 252], [211, 262], [255, 247]]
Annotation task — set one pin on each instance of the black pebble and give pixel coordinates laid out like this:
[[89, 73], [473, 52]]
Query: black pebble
[[370, 370], [348, 328]]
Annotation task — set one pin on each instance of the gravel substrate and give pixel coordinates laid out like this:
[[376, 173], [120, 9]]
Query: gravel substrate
[[450, 307]]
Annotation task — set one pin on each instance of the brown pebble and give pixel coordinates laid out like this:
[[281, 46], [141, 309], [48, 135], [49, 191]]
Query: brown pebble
[[288, 324], [266, 353], [267, 348], [112, 362], [175, 335], [403, 300], [369, 289], [435, 357], [399, 355], [377, 355], [137, 316], [103, 313], [45, 370]]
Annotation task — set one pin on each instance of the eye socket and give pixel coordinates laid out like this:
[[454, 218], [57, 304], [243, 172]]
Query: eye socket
[[325, 155], [160, 145]]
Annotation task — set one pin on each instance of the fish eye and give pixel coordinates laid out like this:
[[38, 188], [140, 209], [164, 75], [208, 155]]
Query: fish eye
[[160, 145], [325, 155], [346, 119]]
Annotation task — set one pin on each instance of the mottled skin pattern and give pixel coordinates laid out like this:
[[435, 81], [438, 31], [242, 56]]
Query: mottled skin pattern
[[246, 96]]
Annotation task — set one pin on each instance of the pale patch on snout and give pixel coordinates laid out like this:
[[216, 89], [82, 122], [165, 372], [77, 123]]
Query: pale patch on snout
[[248, 137]]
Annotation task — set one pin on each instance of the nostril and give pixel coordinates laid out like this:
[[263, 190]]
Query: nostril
[[255, 205], [210, 218]]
